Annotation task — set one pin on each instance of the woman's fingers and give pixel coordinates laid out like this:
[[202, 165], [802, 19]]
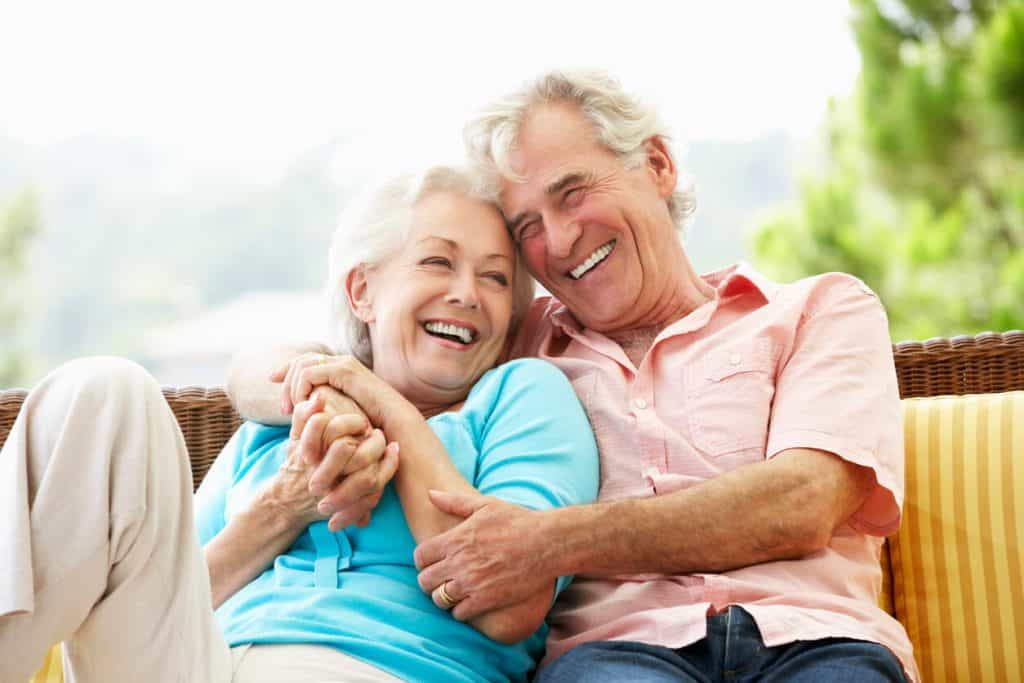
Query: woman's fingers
[[335, 461], [335, 458], [300, 391], [304, 411], [311, 438], [371, 450], [357, 494], [350, 425]]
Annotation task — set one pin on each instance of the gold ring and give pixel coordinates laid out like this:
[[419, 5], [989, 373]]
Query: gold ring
[[447, 601]]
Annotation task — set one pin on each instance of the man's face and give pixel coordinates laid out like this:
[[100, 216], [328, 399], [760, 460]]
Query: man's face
[[596, 234]]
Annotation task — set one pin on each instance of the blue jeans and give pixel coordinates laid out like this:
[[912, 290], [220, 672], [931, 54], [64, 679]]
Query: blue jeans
[[732, 651]]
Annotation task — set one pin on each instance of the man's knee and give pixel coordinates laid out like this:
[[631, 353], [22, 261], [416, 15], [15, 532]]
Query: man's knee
[[837, 659]]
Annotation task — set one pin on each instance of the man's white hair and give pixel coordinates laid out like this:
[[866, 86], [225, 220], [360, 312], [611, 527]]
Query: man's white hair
[[373, 228], [622, 123]]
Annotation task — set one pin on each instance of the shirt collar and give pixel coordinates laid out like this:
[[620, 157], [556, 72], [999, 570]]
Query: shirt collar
[[734, 280], [740, 278]]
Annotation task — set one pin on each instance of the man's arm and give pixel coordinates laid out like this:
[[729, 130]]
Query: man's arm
[[252, 393], [785, 508]]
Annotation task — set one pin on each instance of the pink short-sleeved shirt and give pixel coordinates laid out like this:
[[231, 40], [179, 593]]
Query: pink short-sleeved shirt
[[759, 369]]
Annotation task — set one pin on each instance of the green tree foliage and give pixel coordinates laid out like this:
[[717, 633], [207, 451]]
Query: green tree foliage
[[923, 195], [19, 223]]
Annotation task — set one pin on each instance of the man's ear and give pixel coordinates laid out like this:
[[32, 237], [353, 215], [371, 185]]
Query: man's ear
[[357, 289], [661, 165]]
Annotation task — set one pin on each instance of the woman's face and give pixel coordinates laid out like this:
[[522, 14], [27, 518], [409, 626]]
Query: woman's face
[[439, 310]]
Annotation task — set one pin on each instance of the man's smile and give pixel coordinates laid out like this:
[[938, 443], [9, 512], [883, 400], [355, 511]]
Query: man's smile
[[597, 256]]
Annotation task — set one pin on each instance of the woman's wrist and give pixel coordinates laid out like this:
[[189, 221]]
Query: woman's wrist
[[270, 514]]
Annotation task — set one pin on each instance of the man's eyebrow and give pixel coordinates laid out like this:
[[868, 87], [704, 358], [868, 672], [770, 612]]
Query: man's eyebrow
[[563, 182], [552, 189]]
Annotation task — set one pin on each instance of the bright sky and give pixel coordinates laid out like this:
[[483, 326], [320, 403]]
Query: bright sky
[[251, 84]]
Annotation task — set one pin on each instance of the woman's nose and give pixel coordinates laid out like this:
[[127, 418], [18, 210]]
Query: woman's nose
[[462, 291]]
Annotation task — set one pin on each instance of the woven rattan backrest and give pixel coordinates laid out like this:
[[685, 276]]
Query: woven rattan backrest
[[205, 416], [986, 363]]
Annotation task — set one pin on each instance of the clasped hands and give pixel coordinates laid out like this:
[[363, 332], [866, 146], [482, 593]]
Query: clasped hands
[[339, 463], [338, 460]]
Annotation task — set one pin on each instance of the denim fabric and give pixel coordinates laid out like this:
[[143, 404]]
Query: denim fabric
[[732, 651]]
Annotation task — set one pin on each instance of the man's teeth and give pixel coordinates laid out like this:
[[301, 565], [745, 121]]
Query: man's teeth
[[463, 333], [592, 260]]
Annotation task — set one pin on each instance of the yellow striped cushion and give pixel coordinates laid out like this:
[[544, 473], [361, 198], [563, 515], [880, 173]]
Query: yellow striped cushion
[[52, 669], [885, 596], [958, 574]]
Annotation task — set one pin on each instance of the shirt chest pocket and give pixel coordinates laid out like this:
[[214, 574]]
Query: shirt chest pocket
[[729, 398]]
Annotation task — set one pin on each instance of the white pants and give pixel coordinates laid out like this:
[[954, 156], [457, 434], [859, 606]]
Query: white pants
[[98, 546]]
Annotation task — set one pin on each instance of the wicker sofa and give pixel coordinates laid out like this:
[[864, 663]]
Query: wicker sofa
[[954, 573]]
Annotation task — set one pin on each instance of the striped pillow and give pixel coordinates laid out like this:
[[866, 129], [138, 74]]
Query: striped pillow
[[958, 573]]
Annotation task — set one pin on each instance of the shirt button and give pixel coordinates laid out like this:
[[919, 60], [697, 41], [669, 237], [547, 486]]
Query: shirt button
[[735, 359], [640, 403]]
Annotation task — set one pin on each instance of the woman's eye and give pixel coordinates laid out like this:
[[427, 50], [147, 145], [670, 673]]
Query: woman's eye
[[499, 278], [436, 261]]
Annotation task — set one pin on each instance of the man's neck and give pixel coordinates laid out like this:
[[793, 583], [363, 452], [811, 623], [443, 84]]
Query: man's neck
[[637, 339]]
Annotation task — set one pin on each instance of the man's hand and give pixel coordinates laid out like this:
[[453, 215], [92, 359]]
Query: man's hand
[[353, 463], [493, 559]]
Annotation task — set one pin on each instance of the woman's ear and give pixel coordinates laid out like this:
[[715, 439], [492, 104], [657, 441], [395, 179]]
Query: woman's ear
[[357, 289]]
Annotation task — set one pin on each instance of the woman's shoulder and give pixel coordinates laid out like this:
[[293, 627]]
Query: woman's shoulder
[[253, 439], [518, 386], [521, 373]]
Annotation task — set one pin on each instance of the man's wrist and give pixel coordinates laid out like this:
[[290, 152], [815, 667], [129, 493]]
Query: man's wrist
[[556, 534]]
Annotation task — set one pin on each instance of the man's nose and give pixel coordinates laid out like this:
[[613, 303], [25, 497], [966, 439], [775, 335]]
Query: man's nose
[[562, 234]]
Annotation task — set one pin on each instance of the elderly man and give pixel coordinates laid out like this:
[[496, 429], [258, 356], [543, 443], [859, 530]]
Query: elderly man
[[750, 438]]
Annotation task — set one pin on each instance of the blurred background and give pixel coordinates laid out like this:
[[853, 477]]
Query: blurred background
[[170, 174]]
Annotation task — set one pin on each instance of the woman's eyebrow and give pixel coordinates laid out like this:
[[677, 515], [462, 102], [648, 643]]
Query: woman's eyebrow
[[451, 244]]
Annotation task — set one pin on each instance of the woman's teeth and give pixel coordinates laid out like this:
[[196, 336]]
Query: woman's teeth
[[463, 334], [596, 257]]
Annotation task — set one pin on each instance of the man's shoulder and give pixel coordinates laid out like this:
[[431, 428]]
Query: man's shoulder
[[819, 292], [536, 325]]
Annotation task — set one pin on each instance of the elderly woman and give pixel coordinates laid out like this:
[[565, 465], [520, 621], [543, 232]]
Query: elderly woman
[[101, 546]]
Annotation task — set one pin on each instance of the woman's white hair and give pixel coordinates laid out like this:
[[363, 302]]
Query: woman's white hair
[[621, 121], [373, 228]]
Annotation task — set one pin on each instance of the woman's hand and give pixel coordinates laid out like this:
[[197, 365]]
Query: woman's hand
[[379, 401], [347, 463], [287, 376]]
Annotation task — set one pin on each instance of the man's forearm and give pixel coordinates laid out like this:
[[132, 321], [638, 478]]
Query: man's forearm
[[249, 387], [758, 513]]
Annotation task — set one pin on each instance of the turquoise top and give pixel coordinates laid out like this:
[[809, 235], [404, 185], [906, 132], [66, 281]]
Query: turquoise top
[[521, 436]]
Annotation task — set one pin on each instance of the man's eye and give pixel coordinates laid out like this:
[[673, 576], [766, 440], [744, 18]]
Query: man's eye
[[573, 197], [528, 230], [436, 261]]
